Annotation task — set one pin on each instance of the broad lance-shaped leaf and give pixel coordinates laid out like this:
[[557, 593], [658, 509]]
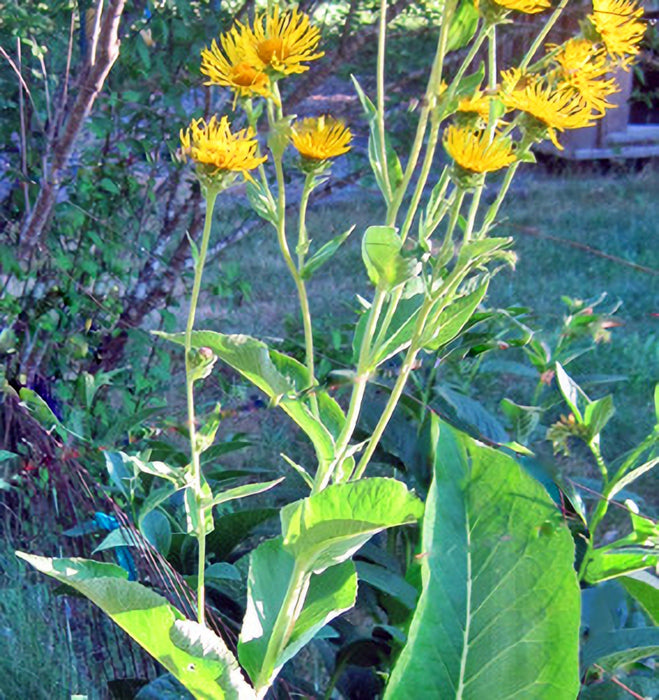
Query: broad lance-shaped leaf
[[329, 527], [498, 616], [192, 653], [279, 377], [443, 325], [442, 328], [381, 251], [324, 253], [271, 568]]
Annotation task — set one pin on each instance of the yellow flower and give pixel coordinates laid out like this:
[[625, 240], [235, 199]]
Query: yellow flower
[[217, 152], [320, 138], [229, 66], [281, 42], [478, 103], [556, 108], [617, 23], [529, 7], [473, 150], [584, 67]]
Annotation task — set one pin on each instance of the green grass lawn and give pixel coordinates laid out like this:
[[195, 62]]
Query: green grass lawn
[[610, 214]]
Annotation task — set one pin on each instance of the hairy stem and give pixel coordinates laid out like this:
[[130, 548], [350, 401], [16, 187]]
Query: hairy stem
[[302, 249]]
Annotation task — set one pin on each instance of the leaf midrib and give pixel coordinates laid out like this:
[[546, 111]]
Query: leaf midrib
[[467, 627]]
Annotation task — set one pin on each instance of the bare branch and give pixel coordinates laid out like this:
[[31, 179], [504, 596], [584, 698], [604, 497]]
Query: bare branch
[[91, 83]]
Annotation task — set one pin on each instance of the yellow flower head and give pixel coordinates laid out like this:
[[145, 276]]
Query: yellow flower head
[[474, 151], [618, 24], [584, 67], [478, 104], [217, 152], [557, 108], [229, 67], [281, 42], [529, 7], [320, 138]]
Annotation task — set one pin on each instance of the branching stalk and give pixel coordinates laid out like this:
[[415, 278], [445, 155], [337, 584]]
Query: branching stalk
[[357, 395], [429, 103]]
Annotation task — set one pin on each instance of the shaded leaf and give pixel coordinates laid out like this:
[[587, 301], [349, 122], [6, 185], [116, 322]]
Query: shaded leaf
[[500, 600], [387, 582], [619, 647]]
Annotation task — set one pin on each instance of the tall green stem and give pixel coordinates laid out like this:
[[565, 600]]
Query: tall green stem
[[293, 269], [382, 37], [196, 481], [542, 35], [602, 504], [357, 395], [429, 103]]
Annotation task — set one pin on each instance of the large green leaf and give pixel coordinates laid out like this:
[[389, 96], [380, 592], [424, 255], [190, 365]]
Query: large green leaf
[[279, 377], [271, 568], [191, 652], [499, 612], [329, 527]]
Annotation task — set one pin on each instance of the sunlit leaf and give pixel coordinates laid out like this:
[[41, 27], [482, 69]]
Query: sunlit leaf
[[192, 653], [328, 527], [271, 568]]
